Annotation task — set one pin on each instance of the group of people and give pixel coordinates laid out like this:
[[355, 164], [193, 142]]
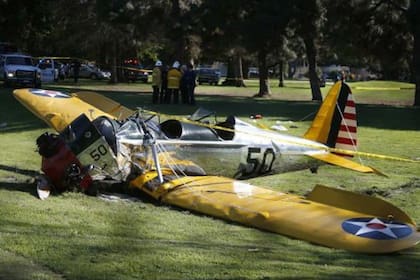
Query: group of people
[[169, 84]]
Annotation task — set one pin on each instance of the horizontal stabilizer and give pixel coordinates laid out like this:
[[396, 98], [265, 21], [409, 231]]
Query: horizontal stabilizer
[[343, 162]]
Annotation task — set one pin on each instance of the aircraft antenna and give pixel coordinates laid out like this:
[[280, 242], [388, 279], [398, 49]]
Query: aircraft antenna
[[307, 116]]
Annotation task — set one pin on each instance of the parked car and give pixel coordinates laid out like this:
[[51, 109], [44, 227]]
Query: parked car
[[90, 71], [253, 72], [208, 75], [19, 69]]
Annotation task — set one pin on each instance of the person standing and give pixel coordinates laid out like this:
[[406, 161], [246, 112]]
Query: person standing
[[76, 70], [183, 85], [174, 79], [156, 81], [189, 81], [164, 89]]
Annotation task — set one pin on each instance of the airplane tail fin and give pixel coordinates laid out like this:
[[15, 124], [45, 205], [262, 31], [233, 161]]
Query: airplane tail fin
[[335, 124]]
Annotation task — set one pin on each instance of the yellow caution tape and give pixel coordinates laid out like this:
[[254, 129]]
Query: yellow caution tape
[[135, 69], [382, 88]]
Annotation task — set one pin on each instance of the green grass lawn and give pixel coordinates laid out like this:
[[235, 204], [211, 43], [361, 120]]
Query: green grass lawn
[[74, 236]]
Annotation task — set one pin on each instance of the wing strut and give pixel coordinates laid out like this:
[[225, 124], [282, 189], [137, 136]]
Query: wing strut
[[150, 141]]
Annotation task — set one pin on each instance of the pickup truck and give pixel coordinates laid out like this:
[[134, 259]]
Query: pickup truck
[[19, 69]]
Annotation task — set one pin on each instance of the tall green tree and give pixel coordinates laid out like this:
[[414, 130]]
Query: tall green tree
[[221, 30], [257, 27], [413, 14], [265, 26], [183, 41], [309, 17], [27, 24], [107, 31], [369, 33], [380, 34]]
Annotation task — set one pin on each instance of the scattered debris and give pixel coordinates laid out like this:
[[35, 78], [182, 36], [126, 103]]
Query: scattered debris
[[376, 191], [256, 116], [412, 185], [117, 197], [278, 127]]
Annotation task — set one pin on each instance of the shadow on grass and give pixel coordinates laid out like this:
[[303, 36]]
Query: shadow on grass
[[26, 187], [13, 184], [17, 170], [17, 118], [376, 116]]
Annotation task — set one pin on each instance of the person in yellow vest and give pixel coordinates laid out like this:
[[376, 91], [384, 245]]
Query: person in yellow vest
[[174, 79], [156, 81]]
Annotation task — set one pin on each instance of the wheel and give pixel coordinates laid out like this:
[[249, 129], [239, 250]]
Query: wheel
[[93, 76]]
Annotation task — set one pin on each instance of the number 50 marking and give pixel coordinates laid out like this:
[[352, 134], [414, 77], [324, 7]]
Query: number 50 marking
[[97, 153], [253, 158]]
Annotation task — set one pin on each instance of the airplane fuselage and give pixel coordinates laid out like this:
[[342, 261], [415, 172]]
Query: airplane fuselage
[[247, 154]]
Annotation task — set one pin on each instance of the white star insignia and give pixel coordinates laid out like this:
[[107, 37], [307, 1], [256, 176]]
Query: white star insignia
[[376, 225]]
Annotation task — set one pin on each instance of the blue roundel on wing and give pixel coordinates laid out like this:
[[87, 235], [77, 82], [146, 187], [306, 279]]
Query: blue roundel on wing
[[376, 228], [49, 93]]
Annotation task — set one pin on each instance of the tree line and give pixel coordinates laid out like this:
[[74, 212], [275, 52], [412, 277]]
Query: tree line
[[382, 35]]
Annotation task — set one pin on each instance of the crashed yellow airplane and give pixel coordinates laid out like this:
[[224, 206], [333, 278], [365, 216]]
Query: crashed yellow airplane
[[231, 148], [170, 162]]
